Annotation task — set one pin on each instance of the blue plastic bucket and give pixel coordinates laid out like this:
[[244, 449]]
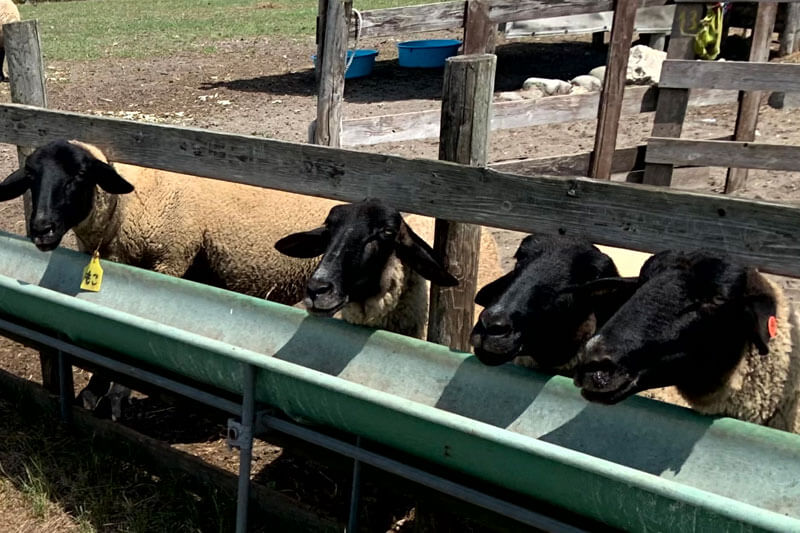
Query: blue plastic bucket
[[428, 53], [362, 63]]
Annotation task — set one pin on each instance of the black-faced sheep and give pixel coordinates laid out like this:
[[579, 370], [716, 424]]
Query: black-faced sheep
[[206, 230], [8, 13], [531, 315], [374, 266], [720, 333], [212, 231]]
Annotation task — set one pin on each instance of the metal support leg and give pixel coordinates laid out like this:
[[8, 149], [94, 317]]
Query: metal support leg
[[355, 493], [66, 386], [240, 435]]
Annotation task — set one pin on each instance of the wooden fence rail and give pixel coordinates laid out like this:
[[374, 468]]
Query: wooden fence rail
[[730, 75], [507, 115], [639, 217], [723, 154]]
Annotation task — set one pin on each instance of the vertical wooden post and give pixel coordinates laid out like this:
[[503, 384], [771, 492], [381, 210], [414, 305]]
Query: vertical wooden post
[[479, 31], [791, 24], [610, 107], [27, 85], [749, 102], [331, 65], [466, 116], [672, 103], [322, 17]]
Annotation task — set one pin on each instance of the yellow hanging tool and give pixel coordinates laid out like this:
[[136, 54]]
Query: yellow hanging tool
[[708, 39]]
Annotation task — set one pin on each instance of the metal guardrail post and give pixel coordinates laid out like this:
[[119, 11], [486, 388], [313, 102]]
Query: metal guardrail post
[[240, 435], [66, 386]]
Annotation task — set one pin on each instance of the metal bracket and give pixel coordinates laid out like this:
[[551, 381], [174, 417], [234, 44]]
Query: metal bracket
[[239, 436]]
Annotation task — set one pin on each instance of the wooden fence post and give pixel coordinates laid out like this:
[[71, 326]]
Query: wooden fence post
[[466, 115], [610, 107], [331, 60], [747, 118], [479, 31], [791, 24], [27, 85]]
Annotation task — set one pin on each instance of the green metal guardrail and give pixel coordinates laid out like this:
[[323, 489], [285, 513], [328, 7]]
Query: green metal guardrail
[[640, 465]]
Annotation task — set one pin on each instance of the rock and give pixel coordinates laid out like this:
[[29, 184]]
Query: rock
[[644, 65], [532, 94], [784, 100], [509, 96], [590, 83], [550, 87], [599, 73]]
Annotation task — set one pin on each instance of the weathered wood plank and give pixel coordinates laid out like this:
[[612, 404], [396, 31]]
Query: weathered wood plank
[[672, 103], [791, 24], [466, 109], [507, 115], [733, 1], [737, 75], [637, 217], [723, 154], [331, 64], [479, 32], [611, 98], [449, 15], [747, 115]]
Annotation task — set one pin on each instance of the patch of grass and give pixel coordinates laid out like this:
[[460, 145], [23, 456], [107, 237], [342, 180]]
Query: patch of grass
[[94, 488], [92, 29]]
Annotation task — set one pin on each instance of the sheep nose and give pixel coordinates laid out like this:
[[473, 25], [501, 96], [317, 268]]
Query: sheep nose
[[42, 226], [496, 322], [317, 287]]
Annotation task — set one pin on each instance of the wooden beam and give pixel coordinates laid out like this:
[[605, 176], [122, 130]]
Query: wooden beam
[[479, 32], [638, 217], [672, 103], [723, 154], [506, 115], [330, 92], [731, 75], [747, 116], [466, 110], [791, 25], [610, 107], [450, 15]]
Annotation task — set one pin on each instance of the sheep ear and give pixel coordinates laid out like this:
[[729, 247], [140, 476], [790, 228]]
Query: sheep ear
[[14, 185], [415, 252], [492, 291], [107, 178], [761, 308], [304, 244], [606, 295]]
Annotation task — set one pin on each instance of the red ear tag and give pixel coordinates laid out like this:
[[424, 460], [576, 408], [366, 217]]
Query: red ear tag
[[772, 327]]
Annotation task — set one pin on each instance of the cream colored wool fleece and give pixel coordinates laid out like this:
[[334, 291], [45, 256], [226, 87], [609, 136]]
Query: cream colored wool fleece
[[402, 305], [8, 13], [172, 218], [762, 389]]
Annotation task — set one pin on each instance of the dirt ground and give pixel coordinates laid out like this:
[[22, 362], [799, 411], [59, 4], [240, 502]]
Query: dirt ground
[[266, 87]]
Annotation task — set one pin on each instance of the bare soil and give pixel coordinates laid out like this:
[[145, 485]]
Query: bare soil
[[266, 87]]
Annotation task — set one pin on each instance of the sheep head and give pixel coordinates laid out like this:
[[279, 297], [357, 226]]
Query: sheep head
[[356, 242], [62, 178], [534, 310], [687, 324]]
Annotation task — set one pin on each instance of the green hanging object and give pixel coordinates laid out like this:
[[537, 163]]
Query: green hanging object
[[708, 39]]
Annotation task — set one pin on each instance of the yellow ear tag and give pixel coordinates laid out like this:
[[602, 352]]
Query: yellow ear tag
[[92, 274]]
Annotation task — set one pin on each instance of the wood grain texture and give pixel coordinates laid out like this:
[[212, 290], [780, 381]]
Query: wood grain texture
[[330, 90], [723, 154], [479, 32], [788, 40], [519, 114], [638, 217], [466, 111], [737, 75], [449, 15], [747, 115], [611, 97], [672, 103]]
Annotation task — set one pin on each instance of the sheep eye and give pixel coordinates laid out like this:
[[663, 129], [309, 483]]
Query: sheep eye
[[387, 233]]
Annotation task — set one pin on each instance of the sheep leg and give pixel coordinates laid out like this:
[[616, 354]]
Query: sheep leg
[[103, 397], [2, 58]]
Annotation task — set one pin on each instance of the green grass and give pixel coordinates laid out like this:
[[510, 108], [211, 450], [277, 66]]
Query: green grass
[[92, 29]]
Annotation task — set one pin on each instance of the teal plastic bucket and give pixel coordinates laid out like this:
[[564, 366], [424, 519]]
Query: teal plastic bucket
[[428, 53]]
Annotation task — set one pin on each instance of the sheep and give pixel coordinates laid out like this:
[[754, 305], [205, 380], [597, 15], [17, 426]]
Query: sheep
[[374, 268], [723, 335], [206, 230], [8, 13], [202, 229], [531, 316]]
